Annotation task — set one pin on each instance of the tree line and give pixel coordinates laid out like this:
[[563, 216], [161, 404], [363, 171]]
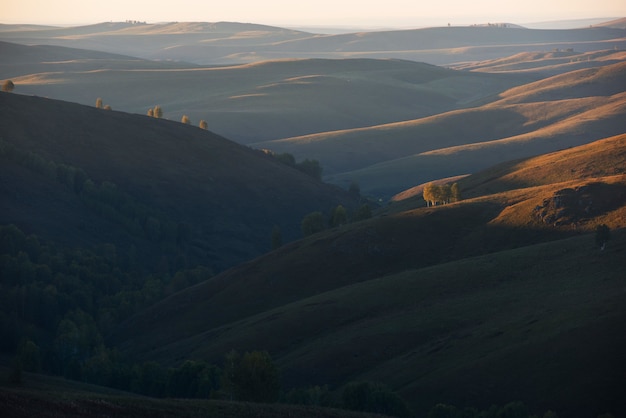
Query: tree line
[[315, 222], [435, 194]]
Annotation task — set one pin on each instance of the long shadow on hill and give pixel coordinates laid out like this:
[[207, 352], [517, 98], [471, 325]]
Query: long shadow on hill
[[327, 261]]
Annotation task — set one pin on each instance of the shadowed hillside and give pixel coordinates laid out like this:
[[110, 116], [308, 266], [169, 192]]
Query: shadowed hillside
[[19, 60], [487, 293], [226, 196]]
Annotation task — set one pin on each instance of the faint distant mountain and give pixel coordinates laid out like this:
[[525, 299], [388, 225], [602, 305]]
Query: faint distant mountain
[[571, 23], [227, 43]]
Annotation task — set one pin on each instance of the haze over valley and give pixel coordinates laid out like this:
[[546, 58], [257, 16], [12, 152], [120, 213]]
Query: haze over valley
[[410, 222]]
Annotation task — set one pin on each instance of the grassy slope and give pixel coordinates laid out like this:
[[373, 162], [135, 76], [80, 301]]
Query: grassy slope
[[230, 195], [600, 158], [396, 299], [251, 103], [547, 63], [556, 113]]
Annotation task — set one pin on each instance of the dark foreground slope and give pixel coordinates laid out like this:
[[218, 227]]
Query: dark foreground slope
[[484, 301], [152, 184], [50, 397]]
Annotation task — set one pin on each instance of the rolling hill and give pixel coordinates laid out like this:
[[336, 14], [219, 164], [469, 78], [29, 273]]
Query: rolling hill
[[227, 196], [132, 244], [255, 102], [554, 113], [387, 124], [489, 293], [229, 42]]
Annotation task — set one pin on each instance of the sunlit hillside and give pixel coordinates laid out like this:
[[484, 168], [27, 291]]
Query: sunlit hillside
[[566, 110]]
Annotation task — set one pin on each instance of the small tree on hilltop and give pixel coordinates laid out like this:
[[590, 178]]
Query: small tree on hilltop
[[157, 112], [203, 124], [151, 112], [185, 119], [99, 103], [8, 86], [107, 107]]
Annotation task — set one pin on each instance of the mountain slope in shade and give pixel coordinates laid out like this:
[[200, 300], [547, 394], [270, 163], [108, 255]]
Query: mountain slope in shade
[[228, 196]]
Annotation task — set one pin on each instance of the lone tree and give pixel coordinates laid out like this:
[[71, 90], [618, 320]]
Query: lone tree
[[603, 235], [203, 124], [185, 119], [8, 86]]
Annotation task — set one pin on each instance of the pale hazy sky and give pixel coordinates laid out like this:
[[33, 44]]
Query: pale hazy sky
[[318, 12]]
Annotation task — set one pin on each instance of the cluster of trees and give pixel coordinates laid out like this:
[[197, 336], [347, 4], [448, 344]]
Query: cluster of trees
[[362, 396], [64, 300], [155, 112], [310, 167], [315, 222], [434, 194], [100, 105]]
